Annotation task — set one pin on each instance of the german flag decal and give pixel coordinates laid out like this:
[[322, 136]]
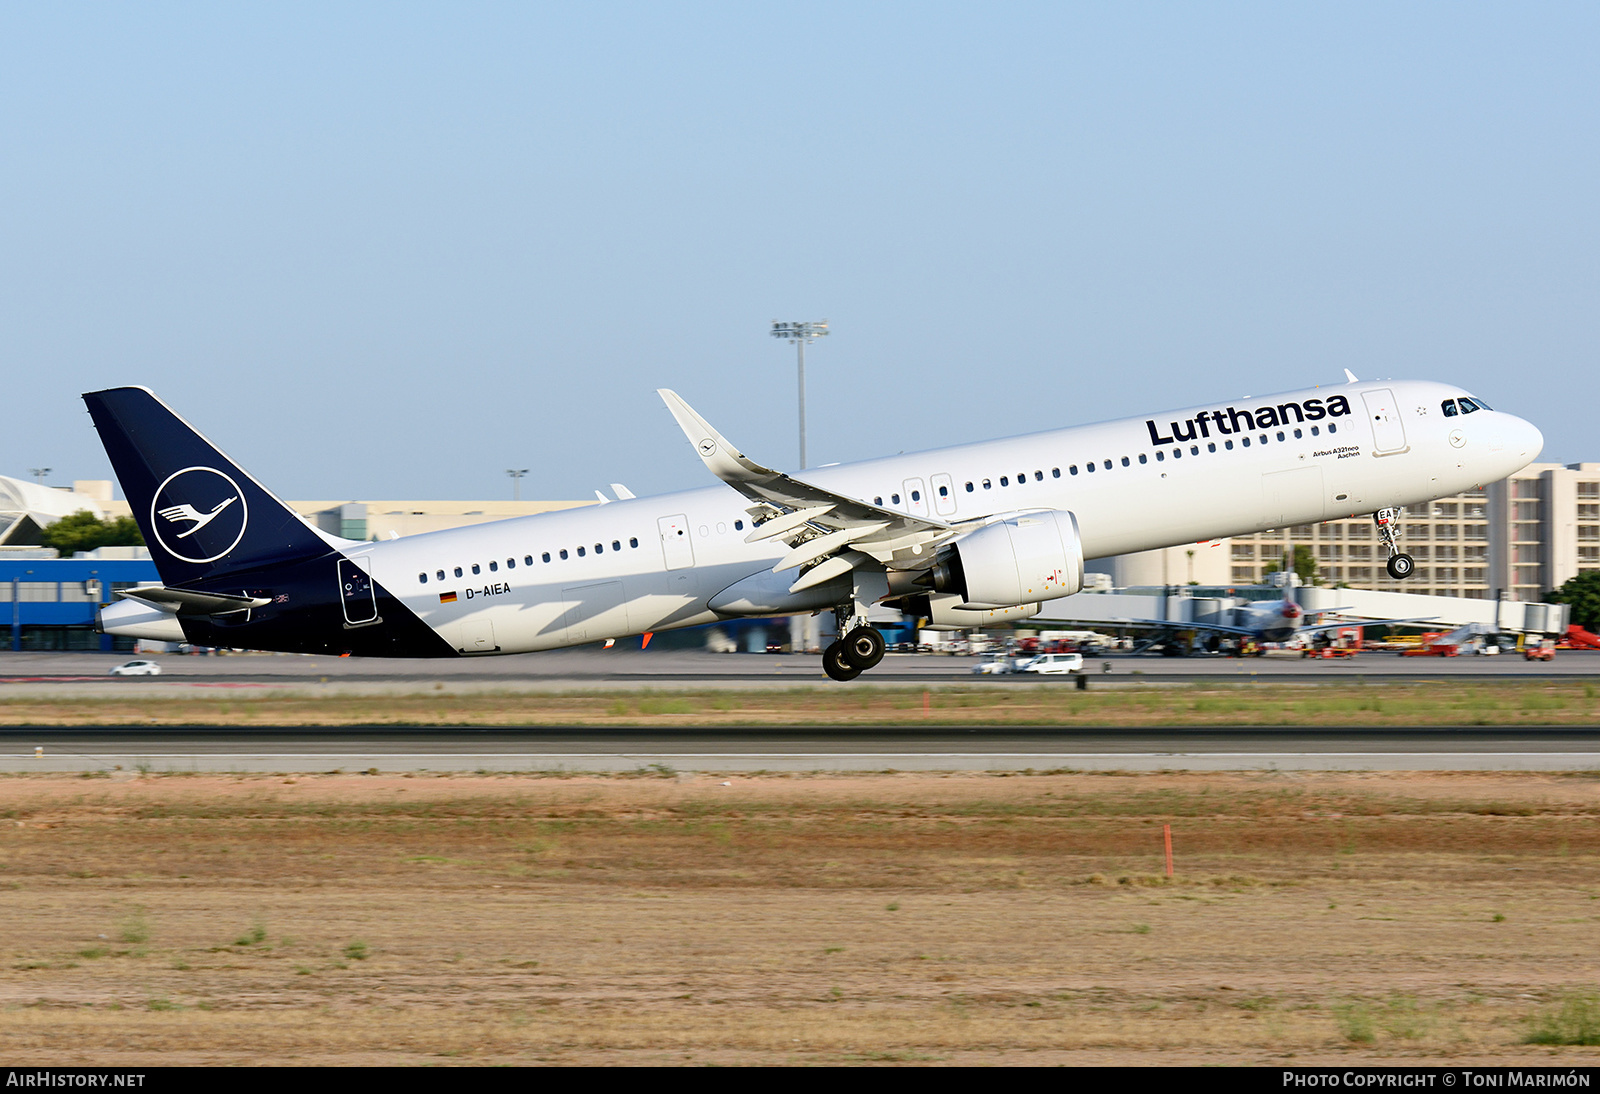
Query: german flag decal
[[447, 598]]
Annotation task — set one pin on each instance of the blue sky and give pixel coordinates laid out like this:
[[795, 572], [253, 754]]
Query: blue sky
[[389, 250]]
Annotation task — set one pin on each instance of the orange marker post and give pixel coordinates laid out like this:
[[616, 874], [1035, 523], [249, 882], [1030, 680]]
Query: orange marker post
[[1166, 830], [646, 643]]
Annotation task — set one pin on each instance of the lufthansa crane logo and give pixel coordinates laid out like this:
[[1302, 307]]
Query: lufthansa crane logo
[[198, 514]]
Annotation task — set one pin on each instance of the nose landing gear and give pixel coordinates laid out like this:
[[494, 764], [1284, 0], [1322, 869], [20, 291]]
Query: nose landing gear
[[1400, 565]]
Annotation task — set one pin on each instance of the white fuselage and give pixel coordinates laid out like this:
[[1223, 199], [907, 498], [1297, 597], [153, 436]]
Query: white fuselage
[[657, 563]]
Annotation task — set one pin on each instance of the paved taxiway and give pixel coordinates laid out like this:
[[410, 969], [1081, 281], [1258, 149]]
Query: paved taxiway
[[859, 749]]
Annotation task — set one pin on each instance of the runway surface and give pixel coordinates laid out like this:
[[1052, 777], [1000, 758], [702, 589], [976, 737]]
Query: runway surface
[[136, 749], [71, 674]]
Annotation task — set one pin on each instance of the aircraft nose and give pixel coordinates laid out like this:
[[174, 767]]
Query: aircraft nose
[[1524, 438]]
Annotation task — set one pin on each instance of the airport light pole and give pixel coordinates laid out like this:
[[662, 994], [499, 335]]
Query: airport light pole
[[516, 482], [800, 334], [39, 473]]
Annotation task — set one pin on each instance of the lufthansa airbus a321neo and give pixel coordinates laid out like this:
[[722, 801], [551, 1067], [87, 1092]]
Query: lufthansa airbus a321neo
[[960, 536]]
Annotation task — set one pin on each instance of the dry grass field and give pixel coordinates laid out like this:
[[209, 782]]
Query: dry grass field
[[323, 919], [1124, 702]]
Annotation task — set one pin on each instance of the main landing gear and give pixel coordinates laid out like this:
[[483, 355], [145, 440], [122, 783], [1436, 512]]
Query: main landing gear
[[859, 650], [860, 646], [1401, 565]]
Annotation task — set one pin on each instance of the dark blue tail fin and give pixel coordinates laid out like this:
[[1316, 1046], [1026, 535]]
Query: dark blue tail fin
[[201, 515]]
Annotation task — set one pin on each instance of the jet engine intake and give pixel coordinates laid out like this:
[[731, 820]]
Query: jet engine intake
[[1020, 559]]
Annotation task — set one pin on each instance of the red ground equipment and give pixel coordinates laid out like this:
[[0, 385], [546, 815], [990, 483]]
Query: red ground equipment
[[1579, 639]]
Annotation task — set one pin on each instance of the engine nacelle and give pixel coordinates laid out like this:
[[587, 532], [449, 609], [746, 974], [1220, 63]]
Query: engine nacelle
[[945, 613], [1018, 560]]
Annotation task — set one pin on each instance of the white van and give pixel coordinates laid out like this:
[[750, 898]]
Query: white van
[[1055, 663]]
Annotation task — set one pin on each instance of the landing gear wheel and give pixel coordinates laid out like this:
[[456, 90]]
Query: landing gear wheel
[[834, 664], [862, 648], [1401, 567]]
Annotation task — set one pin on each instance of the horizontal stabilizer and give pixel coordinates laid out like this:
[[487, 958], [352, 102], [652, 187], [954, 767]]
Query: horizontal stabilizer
[[189, 602]]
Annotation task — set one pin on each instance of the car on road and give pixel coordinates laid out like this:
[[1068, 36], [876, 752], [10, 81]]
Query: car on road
[[1050, 664], [994, 666], [137, 668]]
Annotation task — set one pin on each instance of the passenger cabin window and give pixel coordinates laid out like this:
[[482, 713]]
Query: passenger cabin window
[[1244, 441], [1333, 427], [1108, 465], [529, 559], [633, 541], [1315, 431], [1072, 470], [895, 498], [1212, 447], [440, 575], [616, 545], [738, 526], [1005, 480], [1038, 476], [493, 567], [599, 549], [476, 568], [458, 571], [1228, 445], [1089, 467], [986, 485], [1142, 458], [422, 578], [916, 495], [581, 552], [877, 500], [1280, 435], [944, 491], [1055, 472], [511, 564], [1159, 457], [1124, 461], [563, 554], [969, 488], [545, 557], [1297, 434]]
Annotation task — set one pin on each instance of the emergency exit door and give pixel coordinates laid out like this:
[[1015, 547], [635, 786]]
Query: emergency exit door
[[676, 550]]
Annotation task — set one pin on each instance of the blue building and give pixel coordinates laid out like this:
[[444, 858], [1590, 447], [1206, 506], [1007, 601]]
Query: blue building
[[49, 603]]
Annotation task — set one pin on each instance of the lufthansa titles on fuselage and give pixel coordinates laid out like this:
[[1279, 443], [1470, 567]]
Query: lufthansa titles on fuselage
[[1232, 420]]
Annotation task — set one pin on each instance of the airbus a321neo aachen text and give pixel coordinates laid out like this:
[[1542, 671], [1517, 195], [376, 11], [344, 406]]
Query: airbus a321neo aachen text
[[962, 537]]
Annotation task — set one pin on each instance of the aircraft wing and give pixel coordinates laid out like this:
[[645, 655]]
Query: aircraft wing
[[827, 532], [1362, 623], [1177, 625]]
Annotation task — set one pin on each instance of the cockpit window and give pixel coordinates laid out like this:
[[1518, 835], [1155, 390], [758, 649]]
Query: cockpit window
[[1467, 405], [1449, 408]]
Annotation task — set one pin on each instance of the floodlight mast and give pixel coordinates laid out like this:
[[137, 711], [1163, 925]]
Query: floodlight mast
[[800, 334], [516, 481]]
